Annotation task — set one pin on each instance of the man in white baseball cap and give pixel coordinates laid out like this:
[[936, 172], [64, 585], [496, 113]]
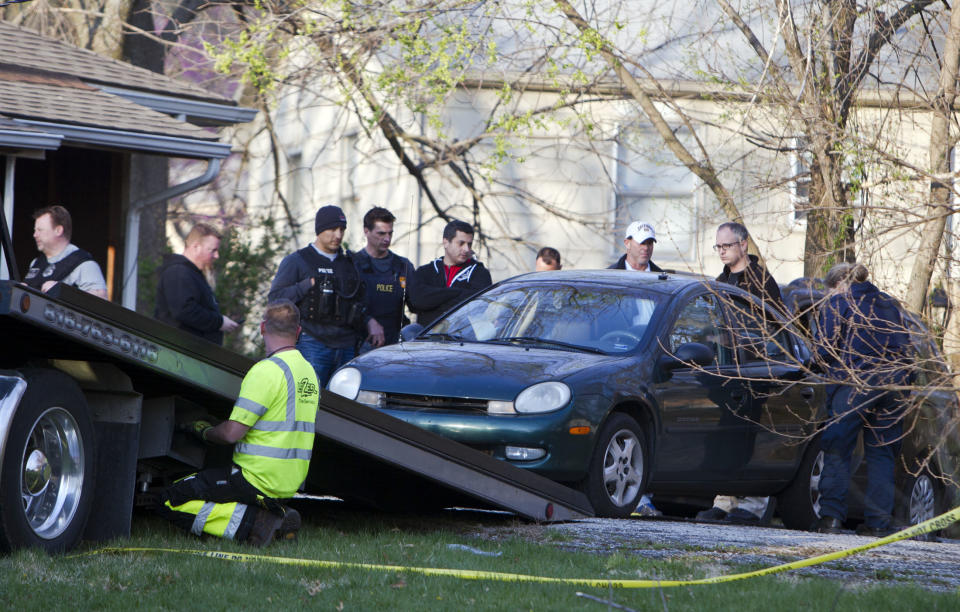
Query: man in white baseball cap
[[638, 241]]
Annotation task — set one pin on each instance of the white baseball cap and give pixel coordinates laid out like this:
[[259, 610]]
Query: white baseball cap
[[641, 232]]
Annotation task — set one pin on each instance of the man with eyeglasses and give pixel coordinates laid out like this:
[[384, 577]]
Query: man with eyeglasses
[[742, 269], [638, 242], [745, 271]]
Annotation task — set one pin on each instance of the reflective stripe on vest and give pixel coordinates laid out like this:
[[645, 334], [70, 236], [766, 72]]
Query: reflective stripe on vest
[[291, 389], [252, 406], [259, 450]]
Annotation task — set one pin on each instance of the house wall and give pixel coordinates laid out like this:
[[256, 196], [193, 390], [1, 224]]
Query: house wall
[[581, 192]]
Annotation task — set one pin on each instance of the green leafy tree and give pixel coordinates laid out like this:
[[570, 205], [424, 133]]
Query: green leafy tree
[[247, 264]]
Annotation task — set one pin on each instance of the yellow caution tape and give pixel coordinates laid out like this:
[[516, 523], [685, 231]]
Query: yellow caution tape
[[938, 522]]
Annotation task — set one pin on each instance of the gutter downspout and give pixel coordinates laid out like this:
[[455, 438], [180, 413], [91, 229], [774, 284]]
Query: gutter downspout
[[132, 246], [8, 266]]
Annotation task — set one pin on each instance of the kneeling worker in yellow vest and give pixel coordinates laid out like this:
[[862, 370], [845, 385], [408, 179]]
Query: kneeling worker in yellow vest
[[272, 425]]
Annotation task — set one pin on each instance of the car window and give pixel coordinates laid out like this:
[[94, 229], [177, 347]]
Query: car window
[[592, 316], [757, 334], [700, 321]]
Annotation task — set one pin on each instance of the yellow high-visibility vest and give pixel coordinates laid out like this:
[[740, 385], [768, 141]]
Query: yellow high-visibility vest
[[278, 400]]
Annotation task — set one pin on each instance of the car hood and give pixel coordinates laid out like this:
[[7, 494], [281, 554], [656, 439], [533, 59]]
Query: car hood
[[470, 370]]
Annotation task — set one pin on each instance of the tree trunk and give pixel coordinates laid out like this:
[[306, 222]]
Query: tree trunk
[[148, 174], [938, 208], [829, 238], [951, 335]]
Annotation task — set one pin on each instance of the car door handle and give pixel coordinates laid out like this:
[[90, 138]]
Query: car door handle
[[807, 393]]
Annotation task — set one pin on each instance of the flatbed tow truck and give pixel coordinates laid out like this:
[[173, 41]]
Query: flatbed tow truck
[[91, 392]]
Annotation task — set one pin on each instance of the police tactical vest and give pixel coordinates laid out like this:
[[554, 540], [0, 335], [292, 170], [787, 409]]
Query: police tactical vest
[[42, 270], [385, 288], [336, 296]]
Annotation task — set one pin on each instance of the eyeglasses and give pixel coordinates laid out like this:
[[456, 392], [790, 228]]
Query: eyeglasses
[[724, 246]]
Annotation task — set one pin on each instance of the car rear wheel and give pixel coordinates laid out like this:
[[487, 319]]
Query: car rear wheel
[[799, 503], [46, 484], [617, 473], [922, 500]]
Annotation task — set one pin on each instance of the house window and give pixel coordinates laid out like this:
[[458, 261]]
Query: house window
[[801, 159], [653, 186], [348, 170], [297, 183]]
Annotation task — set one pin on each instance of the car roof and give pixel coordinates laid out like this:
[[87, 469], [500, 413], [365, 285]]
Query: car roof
[[668, 282]]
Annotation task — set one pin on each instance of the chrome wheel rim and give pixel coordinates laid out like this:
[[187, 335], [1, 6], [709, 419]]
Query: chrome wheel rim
[[623, 468], [51, 474], [816, 471], [922, 500]]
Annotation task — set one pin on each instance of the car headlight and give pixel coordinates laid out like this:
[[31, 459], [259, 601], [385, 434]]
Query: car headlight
[[542, 397], [345, 382]]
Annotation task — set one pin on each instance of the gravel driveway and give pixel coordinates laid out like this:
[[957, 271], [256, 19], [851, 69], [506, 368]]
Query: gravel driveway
[[933, 565]]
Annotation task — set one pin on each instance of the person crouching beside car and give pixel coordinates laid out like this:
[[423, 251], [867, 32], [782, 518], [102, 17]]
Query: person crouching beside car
[[865, 349]]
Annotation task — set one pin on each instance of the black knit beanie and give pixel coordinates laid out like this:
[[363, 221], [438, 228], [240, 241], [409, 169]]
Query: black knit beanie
[[329, 217]]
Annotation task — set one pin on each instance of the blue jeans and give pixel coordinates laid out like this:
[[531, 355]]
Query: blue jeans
[[881, 412], [325, 360]]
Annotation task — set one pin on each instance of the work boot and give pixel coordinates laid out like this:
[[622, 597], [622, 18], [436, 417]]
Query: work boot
[[739, 516], [875, 532], [268, 526], [828, 524], [289, 526], [713, 514]]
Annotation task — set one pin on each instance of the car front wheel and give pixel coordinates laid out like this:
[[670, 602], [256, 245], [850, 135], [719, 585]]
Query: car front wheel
[[617, 472], [799, 503]]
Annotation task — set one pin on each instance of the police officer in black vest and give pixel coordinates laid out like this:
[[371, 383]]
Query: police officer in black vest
[[60, 261], [323, 281], [385, 275]]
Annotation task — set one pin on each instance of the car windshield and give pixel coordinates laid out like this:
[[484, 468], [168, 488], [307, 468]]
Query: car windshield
[[586, 317]]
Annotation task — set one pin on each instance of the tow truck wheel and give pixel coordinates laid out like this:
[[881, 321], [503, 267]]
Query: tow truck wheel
[[617, 473], [46, 484]]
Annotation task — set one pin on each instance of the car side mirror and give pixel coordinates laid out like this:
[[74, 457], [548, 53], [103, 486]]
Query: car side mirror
[[686, 354], [411, 331]]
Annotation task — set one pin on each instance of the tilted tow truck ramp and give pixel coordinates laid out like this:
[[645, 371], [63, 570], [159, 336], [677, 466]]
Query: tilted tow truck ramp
[[358, 450]]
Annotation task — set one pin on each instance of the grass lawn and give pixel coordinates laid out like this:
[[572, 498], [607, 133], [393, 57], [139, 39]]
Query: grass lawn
[[30, 580]]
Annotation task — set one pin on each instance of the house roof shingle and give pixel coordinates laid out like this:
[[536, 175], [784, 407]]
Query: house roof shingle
[[79, 104], [88, 100], [30, 50]]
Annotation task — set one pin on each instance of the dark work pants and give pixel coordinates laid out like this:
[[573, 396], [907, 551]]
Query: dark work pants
[[216, 501], [879, 414]]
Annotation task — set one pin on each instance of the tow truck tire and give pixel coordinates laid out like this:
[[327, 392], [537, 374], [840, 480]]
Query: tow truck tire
[[799, 503], [47, 478], [618, 468]]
